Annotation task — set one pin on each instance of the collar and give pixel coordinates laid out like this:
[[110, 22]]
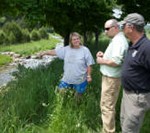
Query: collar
[[138, 43]]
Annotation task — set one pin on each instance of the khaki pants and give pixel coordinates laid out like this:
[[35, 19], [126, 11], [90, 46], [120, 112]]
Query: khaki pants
[[133, 108], [109, 96]]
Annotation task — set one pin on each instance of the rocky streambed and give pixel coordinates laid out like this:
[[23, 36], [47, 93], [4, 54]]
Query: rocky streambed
[[29, 62]]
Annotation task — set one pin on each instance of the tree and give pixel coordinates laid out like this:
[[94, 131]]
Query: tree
[[139, 6], [31, 10], [78, 15], [5, 7], [65, 15]]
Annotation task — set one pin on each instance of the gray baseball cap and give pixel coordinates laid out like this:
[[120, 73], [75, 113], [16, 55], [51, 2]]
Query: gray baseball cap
[[134, 18]]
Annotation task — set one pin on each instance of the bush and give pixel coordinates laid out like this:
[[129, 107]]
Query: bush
[[43, 33], [15, 29], [25, 35], [11, 38], [3, 37], [35, 35]]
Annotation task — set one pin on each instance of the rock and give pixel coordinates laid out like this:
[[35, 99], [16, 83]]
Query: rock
[[28, 57], [16, 55], [33, 57]]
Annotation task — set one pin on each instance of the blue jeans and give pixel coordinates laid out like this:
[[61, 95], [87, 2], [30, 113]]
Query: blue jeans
[[80, 88]]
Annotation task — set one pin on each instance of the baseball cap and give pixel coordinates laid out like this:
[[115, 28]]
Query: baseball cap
[[134, 18]]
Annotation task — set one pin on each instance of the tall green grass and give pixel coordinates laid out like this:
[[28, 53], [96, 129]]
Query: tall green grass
[[31, 47], [4, 59], [25, 101]]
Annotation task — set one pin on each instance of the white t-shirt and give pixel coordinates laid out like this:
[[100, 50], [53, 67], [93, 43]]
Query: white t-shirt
[[76, 61]]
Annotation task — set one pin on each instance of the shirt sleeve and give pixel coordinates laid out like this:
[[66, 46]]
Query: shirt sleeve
[[60, 52], [88, 57]]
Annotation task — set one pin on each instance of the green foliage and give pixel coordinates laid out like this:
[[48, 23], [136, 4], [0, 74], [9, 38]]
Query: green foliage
[[43, 33], [13, 33], [102, 44], [15, 29], [4, 59], [147, 31], [12, 38], [31, 47], [3, 37], [32, 10], [5, 7], [25, 36], [35, 35], [139, 6], [145, 126], [78, 15], [64, 16], [30, 98]]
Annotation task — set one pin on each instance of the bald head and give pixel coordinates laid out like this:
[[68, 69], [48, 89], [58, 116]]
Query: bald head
[[112, 22], [111, 27]]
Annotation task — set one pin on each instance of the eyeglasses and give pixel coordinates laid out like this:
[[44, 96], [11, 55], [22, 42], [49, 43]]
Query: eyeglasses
[[124, 25], [108, 28]]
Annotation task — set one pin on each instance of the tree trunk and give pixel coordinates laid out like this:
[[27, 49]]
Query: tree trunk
[[66, 39], [84, 38], [96, 38]]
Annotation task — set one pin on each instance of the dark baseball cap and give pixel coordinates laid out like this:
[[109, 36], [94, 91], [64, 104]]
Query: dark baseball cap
[[134, 18]]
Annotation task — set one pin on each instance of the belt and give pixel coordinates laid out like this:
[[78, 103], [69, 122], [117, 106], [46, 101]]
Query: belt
[[111, 77], [138, 91]]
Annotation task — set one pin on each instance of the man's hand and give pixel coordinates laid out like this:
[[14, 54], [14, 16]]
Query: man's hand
[[100, 60], [99, 54]]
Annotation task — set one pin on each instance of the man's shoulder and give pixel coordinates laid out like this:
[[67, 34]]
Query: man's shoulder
[[146, 43], [120, 34], [120, 38]]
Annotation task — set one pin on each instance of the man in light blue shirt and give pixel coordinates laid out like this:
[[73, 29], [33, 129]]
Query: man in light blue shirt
[[110, 67]]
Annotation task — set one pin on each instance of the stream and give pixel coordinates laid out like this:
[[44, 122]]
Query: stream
[[6, 71]]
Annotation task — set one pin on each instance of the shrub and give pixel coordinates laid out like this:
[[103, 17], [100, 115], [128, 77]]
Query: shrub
[[15, 29], [43, 33], [25, 35], [3, 37], [35, 35], [11, 38]]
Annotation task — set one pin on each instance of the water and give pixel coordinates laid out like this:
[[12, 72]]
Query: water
[[6, 72], [6, 75]]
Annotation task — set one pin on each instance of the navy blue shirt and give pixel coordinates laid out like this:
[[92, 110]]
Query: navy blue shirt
[[136, 67]]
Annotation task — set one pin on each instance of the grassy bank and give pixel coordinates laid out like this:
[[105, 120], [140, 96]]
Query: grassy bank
[[27, 49], [35, 107], [31, 105], [4, 59]]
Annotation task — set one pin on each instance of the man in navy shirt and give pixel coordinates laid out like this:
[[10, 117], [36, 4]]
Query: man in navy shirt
[[135, 75]]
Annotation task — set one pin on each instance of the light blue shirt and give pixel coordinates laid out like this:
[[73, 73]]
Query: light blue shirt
[[115, 51], [76, 61]]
